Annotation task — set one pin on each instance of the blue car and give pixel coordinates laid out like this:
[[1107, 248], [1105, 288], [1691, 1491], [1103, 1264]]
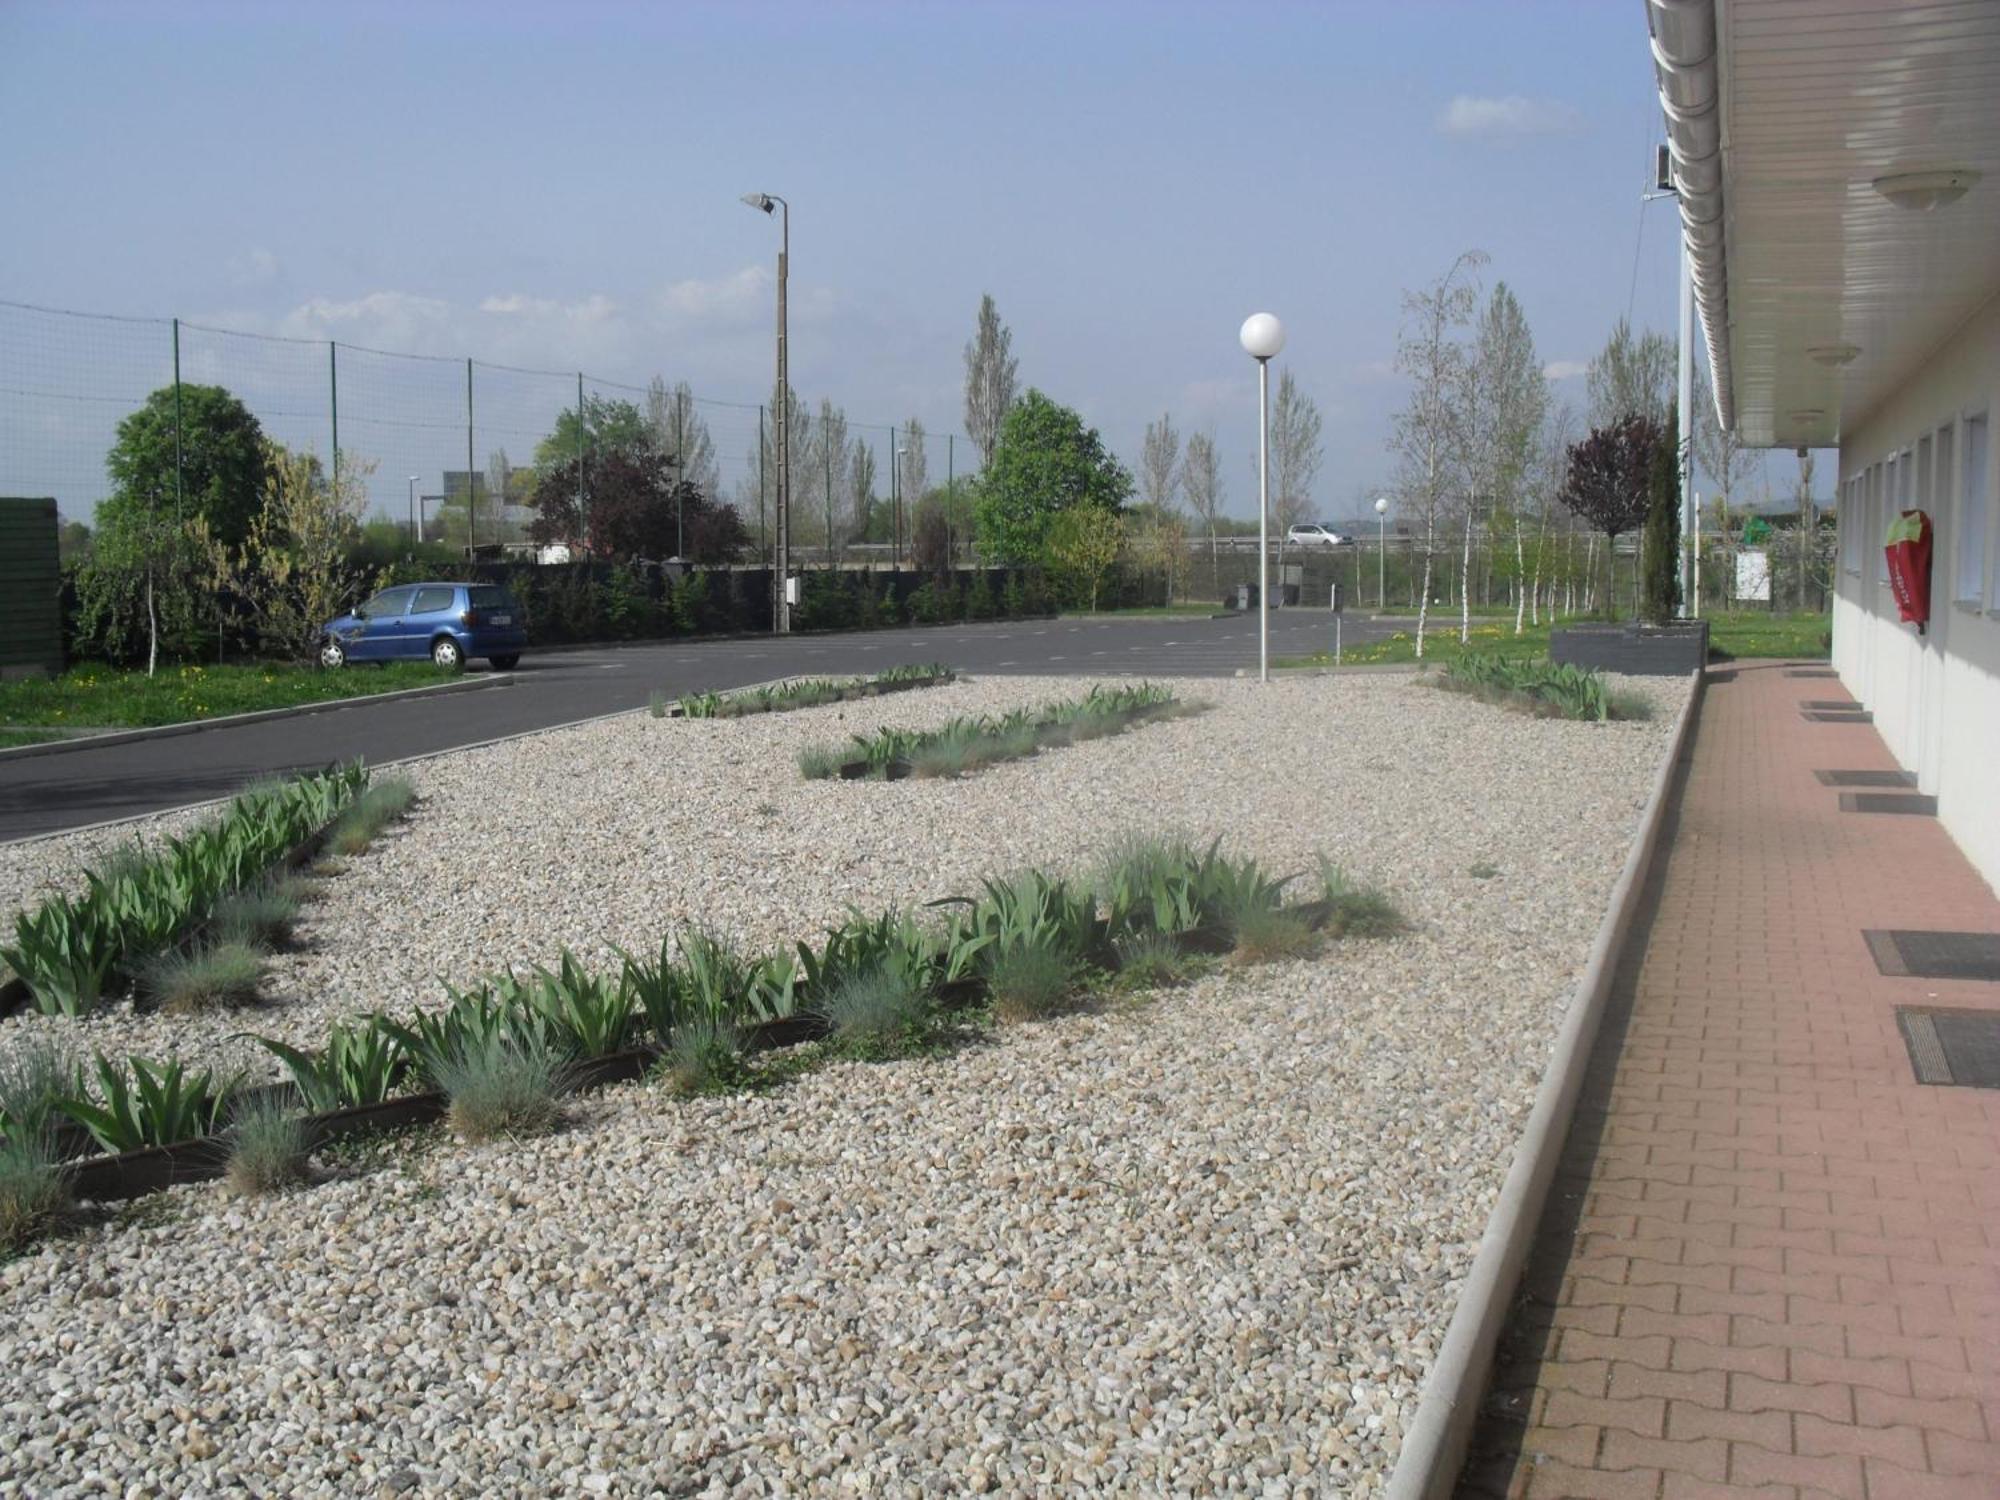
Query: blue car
[[446, 622]]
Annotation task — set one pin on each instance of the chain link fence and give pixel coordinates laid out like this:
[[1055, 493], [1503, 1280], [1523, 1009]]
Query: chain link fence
[[444, 445]]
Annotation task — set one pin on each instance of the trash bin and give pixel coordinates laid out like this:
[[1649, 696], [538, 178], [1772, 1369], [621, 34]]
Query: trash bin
[[1246, 596]]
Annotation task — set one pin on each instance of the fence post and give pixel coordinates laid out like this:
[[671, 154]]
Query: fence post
[[180, 510], [826, 453], [333, 390], [471, 494]]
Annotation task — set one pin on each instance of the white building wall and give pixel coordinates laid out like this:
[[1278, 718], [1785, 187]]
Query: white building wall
[[1936, 698]]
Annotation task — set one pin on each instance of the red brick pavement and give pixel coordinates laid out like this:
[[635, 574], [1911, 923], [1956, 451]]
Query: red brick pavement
[[1771, 1264]]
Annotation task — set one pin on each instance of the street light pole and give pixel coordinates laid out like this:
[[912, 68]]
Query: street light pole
[[896, 505], [765, 203], [1381, 554], [1262, 336]]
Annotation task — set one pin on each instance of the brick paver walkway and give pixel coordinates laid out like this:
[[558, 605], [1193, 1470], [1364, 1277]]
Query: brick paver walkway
[[1771, 1265]]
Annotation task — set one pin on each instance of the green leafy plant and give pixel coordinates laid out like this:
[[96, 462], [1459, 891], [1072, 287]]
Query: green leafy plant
[[210, 976], [1551, 689], [594, 1013], [65, 953], [267, 1148], [701, 705], [656, 706], [148, 1104], [362, 1063]]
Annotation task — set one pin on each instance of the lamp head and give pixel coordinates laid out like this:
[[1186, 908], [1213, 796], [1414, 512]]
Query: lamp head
[[1262, 336], [1381, 505], [760, 201], [1924, 191]]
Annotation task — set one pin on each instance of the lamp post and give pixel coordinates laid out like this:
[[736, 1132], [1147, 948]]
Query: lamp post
[[413, 512], [1381, 554], [1262, 336], [768, 203]]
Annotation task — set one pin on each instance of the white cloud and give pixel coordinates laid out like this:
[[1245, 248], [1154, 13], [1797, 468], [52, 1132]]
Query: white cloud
[[1565, 369], [729, 297], [596, 308], [254, 267], [1473, 117], [398, 321]]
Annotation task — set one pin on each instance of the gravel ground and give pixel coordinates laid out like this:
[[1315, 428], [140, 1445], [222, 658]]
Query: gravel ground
[[1207, 1244]]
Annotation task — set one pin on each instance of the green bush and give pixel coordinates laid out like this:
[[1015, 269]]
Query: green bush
[[1031, 979], [706, 1057], [877, 1011], [1546, 688]]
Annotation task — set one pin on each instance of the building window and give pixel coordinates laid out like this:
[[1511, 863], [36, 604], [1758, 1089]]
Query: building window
[[1973, 505]]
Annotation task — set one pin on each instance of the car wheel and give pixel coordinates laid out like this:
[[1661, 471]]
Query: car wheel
[[506, 663], [332, 655], [447, 654]]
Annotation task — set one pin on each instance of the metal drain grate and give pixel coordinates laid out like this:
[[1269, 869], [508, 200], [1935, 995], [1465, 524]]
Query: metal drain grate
[[1905, 954], [1823, 716], [1811, 672], [1865, 778], [1833, 705], [1889, 802], [1958, 1048]]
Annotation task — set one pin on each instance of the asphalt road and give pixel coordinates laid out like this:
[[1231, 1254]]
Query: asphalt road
[[48, 793]]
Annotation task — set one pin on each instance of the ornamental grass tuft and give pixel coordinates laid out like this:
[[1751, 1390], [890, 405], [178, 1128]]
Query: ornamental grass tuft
[[267, 1149], [1031, 980], [212, 976], [34, 1194], [500, 1085]]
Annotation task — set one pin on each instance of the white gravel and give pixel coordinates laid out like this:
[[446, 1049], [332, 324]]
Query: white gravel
[[1206, 1244]]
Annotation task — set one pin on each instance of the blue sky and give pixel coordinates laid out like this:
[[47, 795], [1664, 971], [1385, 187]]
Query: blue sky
[[557, 187]]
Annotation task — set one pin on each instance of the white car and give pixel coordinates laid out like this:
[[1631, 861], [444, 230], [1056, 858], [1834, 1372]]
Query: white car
[[1313, 534]]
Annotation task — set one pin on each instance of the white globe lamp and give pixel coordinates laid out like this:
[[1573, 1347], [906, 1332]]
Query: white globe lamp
[[1262, 336]]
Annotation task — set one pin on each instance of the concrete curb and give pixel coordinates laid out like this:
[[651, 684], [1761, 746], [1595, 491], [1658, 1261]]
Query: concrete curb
[[255, 716], [1434, 1448]]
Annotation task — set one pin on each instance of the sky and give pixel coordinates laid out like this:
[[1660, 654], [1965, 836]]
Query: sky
[[556, 187]]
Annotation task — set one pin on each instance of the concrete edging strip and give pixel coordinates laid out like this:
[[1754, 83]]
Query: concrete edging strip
[[255, 716], [1435, 1446]]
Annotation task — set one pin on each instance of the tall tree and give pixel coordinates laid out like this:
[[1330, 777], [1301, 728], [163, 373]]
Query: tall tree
[[1633, 375], [1044, 463], [1720, 453], [1296, 457], [1201, 483], [680, 431], [989, 379], [1659, 540], [198, 453], [1807, 525], [828, 464], [605, 424], [1159, 465], [916, 466], [861, 487], [1430, 431], [1509, 398], [295, 570]]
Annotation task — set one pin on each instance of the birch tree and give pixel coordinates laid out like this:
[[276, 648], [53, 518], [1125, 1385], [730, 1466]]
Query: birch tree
[[861, 487], [1201, 483], [829, 470], [678, 428], [1159, 466], [990, 369], [916, 465], [1721, 454], [1429, 431], [1507, 403], [1551, 465], [1632, 376], [1296, 457]]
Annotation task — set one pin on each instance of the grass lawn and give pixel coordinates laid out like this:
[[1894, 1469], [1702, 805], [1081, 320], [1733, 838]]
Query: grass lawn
[[109, 698], [1744, 634], [10, 738]]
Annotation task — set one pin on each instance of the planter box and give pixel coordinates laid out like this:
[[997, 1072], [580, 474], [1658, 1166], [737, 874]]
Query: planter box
[[1634, 650]]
